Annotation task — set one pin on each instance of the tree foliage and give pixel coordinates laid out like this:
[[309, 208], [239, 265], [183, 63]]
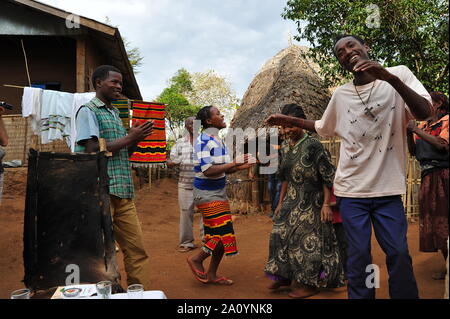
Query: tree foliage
[[187, 93], [178, 107], [409, 32], [210, 88]]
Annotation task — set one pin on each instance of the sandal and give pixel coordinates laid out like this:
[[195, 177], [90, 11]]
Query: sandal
[[186, 249], [278, 284], [199, 275], [306, 295], [224, 281]]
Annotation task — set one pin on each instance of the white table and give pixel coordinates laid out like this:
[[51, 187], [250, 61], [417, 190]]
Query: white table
[[151, 294], [89, 290]]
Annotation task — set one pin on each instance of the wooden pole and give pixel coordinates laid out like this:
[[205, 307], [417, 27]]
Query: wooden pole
[[81, 65], [26, 62], [255, 187], [13, 86], [149, 178], [409, 189]]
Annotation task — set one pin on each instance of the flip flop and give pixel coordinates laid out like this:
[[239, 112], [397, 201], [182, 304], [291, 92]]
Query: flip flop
[[185, 249], [278, 284], [222, 281], [303, 296], [199, 275]]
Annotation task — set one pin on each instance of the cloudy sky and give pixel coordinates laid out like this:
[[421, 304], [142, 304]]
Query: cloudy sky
[[233, 37]]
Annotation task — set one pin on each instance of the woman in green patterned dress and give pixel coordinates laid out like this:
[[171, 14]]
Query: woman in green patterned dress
[[303, 250]]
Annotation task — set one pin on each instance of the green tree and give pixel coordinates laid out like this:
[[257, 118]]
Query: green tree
[[178, 107], [409, 32], [210, 88], [134, 56]]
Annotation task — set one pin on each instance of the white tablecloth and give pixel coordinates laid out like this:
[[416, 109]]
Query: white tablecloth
[[152, 294]]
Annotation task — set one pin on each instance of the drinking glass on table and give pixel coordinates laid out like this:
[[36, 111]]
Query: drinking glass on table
[[21, 294], [103, 289], [135, 291]]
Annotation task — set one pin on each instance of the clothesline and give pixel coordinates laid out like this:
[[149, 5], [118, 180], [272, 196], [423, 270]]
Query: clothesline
[[53, 116]]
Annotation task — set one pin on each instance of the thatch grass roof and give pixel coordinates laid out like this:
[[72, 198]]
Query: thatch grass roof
[[286, 78]]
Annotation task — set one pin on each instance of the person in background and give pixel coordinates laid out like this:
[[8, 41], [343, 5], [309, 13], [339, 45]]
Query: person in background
[[339, 231], [303, 250], [182, 155], [429, 144], [99, 119], [3, 142]]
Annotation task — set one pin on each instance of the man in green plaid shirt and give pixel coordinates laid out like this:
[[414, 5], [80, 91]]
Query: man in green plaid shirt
[[99, 119]]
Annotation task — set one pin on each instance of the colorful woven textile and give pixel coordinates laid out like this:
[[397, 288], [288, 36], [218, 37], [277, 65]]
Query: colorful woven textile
[[218, 226], [124, 111], [152, 150]]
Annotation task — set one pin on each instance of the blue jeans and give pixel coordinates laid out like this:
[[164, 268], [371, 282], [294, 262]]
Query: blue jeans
[[387, 216], [274, 186]]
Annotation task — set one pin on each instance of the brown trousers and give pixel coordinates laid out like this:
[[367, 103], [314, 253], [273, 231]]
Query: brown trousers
[[128, 234]]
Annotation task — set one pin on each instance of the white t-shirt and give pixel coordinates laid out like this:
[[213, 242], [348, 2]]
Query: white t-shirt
[[373, 144]]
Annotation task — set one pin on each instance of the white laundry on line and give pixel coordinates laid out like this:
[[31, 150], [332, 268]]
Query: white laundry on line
[[79, 99], [55, 115], [31, 106]]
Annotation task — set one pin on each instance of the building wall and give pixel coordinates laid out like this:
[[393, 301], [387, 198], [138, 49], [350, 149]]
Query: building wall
[[94, 58], [50, 59]]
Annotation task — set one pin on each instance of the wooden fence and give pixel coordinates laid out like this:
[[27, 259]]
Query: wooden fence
[[21, 138]]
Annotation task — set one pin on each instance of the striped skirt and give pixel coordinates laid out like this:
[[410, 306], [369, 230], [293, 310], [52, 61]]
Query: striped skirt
[[217, 223]]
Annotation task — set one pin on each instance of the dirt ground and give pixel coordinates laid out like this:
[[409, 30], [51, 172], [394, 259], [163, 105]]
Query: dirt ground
[[158, 213]]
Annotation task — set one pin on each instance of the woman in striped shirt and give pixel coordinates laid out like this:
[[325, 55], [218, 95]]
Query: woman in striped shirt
[[213, 162]]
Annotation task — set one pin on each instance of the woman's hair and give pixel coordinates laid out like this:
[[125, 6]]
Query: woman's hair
[[293, 110], [440, 97], [203, 115]]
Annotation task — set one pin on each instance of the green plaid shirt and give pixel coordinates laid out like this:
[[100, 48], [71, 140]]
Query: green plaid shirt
[[111, 128]]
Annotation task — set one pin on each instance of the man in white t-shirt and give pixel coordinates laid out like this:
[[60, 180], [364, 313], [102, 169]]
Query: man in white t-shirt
[[370, 115]]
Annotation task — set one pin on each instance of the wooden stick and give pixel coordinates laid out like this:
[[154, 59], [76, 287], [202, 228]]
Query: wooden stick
[[26, 62], [13, 86], [150, 178]]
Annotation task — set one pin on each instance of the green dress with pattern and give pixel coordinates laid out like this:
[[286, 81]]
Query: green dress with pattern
[[301, 247]]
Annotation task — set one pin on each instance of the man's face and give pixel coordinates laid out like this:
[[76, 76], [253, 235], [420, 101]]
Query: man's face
[[111, 87], [216, 119], [189, 124], [349, 51]]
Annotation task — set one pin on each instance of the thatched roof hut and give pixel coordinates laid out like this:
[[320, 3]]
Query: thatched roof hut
[[286, 78]]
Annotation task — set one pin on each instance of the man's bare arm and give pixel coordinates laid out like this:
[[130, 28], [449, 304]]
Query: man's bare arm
[[284, 120]]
